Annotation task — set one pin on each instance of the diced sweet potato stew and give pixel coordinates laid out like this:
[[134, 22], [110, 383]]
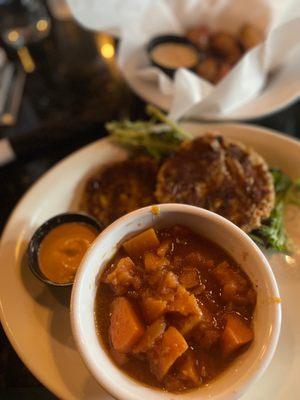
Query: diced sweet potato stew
[[173, 308]]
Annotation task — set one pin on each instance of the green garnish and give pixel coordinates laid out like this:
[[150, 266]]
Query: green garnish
[[158, 137], [294, 193], [272, 231]]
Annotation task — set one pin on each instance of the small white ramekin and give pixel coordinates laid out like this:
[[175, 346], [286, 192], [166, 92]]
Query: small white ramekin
[[246, 369]]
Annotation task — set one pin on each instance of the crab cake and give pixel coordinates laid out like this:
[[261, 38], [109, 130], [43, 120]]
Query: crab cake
[[220, 175], [120, 188]]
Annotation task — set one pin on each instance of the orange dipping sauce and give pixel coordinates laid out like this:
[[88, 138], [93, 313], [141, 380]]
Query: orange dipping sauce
[[62, 250]]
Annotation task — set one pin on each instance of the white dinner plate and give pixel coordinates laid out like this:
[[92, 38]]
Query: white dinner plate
[[36, 317], [280, 91]]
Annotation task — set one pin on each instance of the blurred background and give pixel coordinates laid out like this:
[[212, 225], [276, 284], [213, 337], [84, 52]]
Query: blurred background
[[59, 83]]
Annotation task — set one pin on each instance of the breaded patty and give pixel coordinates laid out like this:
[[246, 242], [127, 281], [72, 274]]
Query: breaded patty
[[220, 175], [120, 188]]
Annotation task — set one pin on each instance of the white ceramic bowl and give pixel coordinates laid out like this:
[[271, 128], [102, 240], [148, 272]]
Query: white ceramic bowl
[[247, 368]]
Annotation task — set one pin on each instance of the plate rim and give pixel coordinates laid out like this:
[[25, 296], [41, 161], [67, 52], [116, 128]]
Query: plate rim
[[139, 89], [35, 371], [21, 354]]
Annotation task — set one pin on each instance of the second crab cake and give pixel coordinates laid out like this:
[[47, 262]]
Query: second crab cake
[[222, 176], [120, 188]]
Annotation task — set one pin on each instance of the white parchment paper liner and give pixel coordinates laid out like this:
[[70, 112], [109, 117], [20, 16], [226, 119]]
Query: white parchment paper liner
[[135, 22]]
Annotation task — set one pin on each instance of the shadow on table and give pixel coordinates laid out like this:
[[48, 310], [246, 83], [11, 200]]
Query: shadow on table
[[45, 297], [56, 299], [74, 375], [26, 394]]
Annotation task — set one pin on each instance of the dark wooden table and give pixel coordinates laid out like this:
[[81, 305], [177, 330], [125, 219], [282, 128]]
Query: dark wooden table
[[72, 89]]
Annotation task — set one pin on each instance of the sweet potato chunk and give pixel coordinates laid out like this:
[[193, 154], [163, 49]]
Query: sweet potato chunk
[[164, 248], [152, 334], [125, 329], [153, 308], [198, 260], [123, 276], [187, 370], [206, 336], [225, 275], [235, 335], [120, 358], [173, 384], [186, 324], [189, 277], [206, 365], [170, 282], [184, 303], [166, 352], [206, 315], [234, 285], [184, 373], [141, 243], [154, 263], [194, 259]]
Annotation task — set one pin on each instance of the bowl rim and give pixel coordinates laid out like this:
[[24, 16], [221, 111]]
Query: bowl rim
[[181, 208]]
